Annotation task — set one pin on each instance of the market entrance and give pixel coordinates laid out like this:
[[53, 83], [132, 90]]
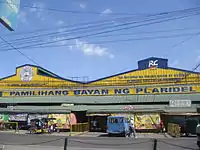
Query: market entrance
[[98, 122], [186, 121]]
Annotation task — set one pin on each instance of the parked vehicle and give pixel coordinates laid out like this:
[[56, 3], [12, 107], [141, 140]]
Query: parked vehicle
[[118, 125], [189, 127], [38, 127], [187, 124]]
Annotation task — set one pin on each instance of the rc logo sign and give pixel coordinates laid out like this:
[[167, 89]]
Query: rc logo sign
[[153, 63], [26, 74]]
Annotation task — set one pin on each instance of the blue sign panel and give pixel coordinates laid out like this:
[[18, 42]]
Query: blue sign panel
[[8, 13], [152, 62]]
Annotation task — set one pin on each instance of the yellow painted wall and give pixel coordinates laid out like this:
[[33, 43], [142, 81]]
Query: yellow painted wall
[[150, 76], [141, 77], [147, 121], [37, 81]]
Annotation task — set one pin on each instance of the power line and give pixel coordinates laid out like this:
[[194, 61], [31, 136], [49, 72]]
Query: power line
[[70, 11], [78, 24], [86, 27], [67, 26], [105, 32], [189, 37], [152, 32], [197, 66], [112, 41], [90, 27], [18, 50], [86, 23], [130, 33], [185, 40], [130, 39], [129, 23], [75, 30]]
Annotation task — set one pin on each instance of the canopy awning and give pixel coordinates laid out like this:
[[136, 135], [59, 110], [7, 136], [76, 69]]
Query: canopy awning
[[35, 111], [101, 99]]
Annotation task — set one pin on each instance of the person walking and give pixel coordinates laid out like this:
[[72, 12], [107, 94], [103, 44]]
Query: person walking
[[132, 127], [162, 126]]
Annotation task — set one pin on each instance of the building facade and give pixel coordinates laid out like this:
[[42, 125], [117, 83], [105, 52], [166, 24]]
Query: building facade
[[152, 89]]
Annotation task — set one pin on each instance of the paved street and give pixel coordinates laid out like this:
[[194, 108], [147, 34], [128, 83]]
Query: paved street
[[138, 135], [94, 134], [39, 142]]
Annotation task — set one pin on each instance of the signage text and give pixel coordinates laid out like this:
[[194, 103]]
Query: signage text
[[105, 92]]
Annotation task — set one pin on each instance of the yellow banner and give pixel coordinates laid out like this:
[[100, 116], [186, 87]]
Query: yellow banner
[[30, 77], [104, 92], [62, 120], [147, 121], [150, 76]]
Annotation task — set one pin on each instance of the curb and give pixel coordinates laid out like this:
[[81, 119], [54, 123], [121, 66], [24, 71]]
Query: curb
[[167, 136], [81, 133]]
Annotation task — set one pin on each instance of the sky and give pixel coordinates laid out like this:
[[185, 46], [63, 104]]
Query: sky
[[85, 57]]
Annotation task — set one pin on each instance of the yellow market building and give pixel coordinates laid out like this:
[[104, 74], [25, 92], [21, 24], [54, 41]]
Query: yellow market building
[[152, 90]]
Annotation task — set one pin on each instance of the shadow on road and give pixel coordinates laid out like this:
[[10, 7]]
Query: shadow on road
[[103, 135]]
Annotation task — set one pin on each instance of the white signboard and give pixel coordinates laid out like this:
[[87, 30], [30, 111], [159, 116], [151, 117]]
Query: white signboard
[[18, 117], [180, 103]]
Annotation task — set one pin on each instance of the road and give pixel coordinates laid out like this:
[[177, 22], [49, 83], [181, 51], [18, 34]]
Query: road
[[39, 142], [138, 135]]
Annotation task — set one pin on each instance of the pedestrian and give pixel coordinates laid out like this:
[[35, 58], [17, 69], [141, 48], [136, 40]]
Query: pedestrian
[[198, 133], [132, 127], [162, 127]]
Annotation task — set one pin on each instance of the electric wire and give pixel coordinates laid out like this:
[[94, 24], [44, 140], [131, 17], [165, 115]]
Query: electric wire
[[125, 34], [16, 49], [69, 11], [104, 32], [69, 31], [109, 41], [194, 69], [85, 23], [151, 32], [40, 30], [157, 14], [89, 27]]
